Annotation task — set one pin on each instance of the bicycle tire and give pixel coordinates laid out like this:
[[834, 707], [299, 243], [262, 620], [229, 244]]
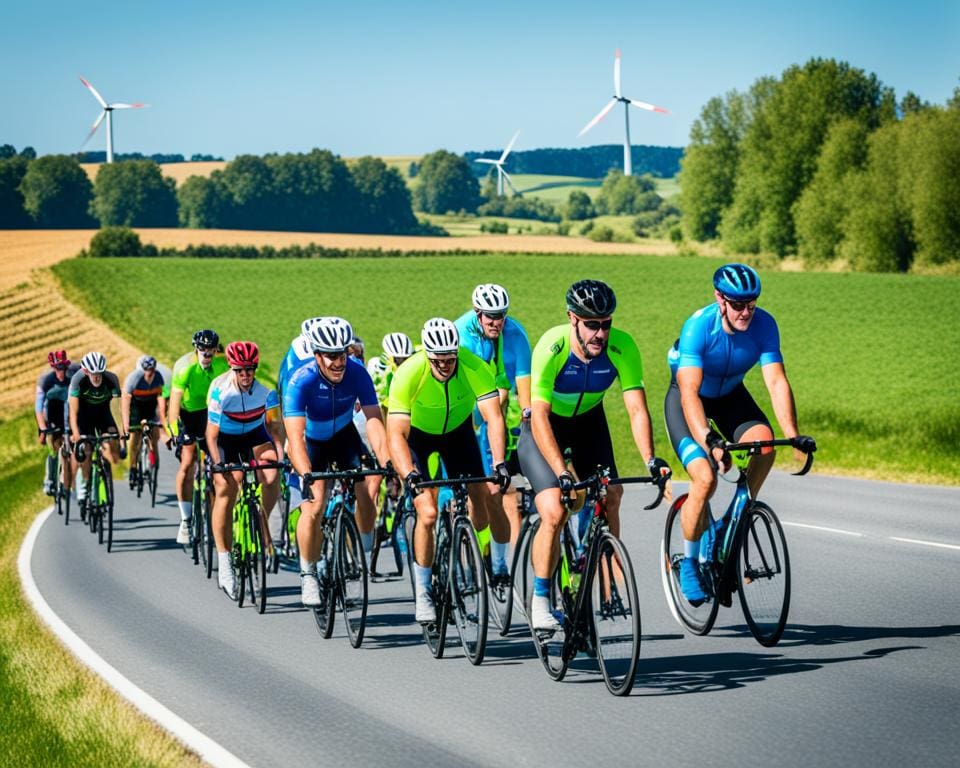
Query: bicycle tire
[[436, 634], [698, 620], [154, 479], [139, 469], [764, 574], [518, 568], [409, 524], [209, 544], [108, 482], [468, 591], [240, 567], [257, 559], [550, 648], [395, 538], [324, 615], [351, 572], [615, 614]]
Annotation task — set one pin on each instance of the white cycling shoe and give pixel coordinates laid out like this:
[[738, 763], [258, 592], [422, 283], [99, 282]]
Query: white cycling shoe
[[227, 580], [183, 534], [310, 590], [542, 617], [426, 611]]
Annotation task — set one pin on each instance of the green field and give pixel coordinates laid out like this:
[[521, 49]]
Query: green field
[[874, 359]]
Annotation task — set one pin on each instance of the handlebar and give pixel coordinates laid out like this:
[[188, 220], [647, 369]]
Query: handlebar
[[754, 446], [343, 474], [50, 431], [247, 466], [451, 482], [601, 478]]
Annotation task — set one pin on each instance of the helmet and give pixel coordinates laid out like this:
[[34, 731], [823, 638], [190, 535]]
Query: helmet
[[93, 362], [439, 336], [378, 367], [397, 345], [331, 334], [206, 338], [306, 325], [737, 281], [242, 354], [356, 341], [591, 298], [58, 359], [146, 361], [490, 298]]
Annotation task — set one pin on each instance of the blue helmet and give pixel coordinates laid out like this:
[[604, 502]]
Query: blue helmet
[[737, 281]]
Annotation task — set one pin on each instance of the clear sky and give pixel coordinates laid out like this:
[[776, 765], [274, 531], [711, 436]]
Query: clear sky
[[389, 78]]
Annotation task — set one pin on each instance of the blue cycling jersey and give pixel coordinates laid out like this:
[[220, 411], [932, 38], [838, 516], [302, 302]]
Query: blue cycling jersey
[[512, 349], [327, 407], [724, 358], [299, 355]]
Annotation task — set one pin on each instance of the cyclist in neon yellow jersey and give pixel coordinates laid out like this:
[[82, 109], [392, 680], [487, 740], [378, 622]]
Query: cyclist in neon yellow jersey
[[573, 366], [397, 347], [192, 375], [431, 401]]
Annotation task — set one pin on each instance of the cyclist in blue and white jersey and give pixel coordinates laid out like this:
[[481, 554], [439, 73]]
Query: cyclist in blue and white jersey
[[318, 402], [717, 346], [502, 342]]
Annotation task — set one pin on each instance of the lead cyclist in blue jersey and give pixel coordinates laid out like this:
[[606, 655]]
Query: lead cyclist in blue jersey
[[717, 346]]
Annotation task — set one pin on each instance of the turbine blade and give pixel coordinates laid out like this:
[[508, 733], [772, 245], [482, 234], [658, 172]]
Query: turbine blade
[[486, 160], [616, 73], [599, 117], [509, 147], [136, 105], [509, 181], [649, 107], [96, 95], [96, 124]]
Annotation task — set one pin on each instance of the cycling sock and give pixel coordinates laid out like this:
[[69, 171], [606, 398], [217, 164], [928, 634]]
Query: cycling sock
[[306, 566], [186, 509], [48, 470], [483, 538], [223, 561], [498, 555], [691, 548], [541, 587], [422, 573], [82, 488], [367, 539]]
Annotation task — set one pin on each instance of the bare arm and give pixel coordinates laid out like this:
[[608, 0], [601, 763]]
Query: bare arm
[[635, 401], [176, 397], [781, 395], [212, 433], [74, 413], [296, 428], [125, 399], [496, 431], [376, 432], [523, 391], [544, 438]]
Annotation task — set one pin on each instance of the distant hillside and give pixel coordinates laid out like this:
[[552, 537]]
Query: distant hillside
[[588, 162]]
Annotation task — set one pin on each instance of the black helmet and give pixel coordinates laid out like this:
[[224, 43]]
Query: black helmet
[[206, 338], [591, 298]]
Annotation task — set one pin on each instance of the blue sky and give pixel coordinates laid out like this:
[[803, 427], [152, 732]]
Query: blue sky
[[389, 78]]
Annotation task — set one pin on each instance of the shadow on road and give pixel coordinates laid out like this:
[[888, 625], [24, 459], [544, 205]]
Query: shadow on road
[[833, 634]]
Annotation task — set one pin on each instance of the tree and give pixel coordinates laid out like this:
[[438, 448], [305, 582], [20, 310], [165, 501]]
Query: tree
[[12, 213], [311, 192], [624, 195], [7, 151], [446, 184], [200, 202], [115, 242], [134, 193], [579, 206], [57, 193], [248, 193], [384, 198]]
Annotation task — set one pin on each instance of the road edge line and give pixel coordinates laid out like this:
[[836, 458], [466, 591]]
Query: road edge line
[[208, 750]]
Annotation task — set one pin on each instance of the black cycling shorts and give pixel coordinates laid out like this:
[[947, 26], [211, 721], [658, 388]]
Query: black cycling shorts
[[143, 409], [236, 448], [93, 421], [458, 449], [586, 436], [54, 413], [343, 449], [194, 424]]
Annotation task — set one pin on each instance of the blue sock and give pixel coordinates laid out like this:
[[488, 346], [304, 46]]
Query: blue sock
[[422, 574], [541, 587], [691, 548]]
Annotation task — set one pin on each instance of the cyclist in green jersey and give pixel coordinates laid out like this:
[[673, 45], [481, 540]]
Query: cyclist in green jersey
[[397, 347], [192, 375], [573, 366], [431, 401]]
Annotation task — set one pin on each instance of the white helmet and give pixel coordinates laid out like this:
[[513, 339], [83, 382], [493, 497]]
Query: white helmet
[[377, 367], [330, 334], [93, 362], [439, 336], [490, 297], [306, 325], [397, 345]]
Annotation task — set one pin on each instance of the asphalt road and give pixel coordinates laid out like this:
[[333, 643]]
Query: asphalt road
[[866, 673]]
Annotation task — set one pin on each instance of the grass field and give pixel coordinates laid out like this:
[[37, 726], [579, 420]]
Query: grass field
[[874, 359]]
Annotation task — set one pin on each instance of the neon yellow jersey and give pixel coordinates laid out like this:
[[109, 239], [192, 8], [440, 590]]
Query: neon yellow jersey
[[194, 381], [439, 407]]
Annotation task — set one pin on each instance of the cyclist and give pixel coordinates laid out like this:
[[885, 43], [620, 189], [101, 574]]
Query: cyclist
[[142, 398], [239, 411], [91, 390], [53, 388], [573, 366], [717, 346], [192, 375], [397, 347], [318, 402], [432, 397], [298, 355], [501, 341]]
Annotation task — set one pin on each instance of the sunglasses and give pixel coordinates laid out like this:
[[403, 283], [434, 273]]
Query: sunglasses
[[206, 351], [442, 361], [245, 369], [739, 306], [597, 325], [333, 356], [494, 315], [61, 367]]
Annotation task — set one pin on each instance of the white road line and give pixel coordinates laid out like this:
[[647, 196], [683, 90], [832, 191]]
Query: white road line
[[203, 745], [824, 528], [926, 543]]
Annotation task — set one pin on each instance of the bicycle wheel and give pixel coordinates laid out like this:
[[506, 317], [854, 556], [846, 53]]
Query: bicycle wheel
[[764, 573], [323, 614], [257, 559], [351, 571], [141, 463], [196, 537], [240, 566], [615, 610], [468, 591], [108, 486], [153, 477], [208, 541], [550, 647], [436, 634], [281, 547], [698, 620], [518, 572], [408, 523]]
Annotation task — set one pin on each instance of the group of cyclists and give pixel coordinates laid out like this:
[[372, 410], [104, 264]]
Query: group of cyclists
[[473, 392]]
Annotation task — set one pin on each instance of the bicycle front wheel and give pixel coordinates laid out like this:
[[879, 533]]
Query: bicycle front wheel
[[408, 523], [468, 591], [153, 478], [352, 578], [696, 619], [764, 574], [323, 614], [551, 647], [257, 557], [615, 610], [108, 487]]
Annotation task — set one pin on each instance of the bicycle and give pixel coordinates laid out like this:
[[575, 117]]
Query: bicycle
[[520, 562], [388, 529], [343, 581], [201, 528], [144, 471], [593, 587], [55, 460], [458, 579], [99, 501], [742, 551]]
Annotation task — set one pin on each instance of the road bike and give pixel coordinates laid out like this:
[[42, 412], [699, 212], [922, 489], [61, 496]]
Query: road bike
[[285, 545], [593, 593], [98, 505], [56, 466], [521, 573], [388, 530], [742, 551], [147, 466], [201, 526]]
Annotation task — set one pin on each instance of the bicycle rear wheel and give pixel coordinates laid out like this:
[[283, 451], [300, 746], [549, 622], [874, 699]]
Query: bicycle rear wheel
[[698, 620], [551, 647], [351, 578], [468, 591], [615, 611], [257, 558], [323, 614], [153, 478], [764, 574], [108, 484]]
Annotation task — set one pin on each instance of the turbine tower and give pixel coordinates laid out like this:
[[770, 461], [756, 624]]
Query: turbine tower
[[498, 164], [618, 96], [108, 113]]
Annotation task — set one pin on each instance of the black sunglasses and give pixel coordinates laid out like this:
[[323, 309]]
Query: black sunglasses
[[494, 315], [245, 369], [597, 325], [332, 356], [739, 306]]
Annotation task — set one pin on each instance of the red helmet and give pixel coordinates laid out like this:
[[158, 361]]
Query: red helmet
[[242, 354], [58, 359]]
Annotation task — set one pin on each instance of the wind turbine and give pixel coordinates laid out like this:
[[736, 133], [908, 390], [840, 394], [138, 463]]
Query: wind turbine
[[108, 113], [618, 96], [501, 174]]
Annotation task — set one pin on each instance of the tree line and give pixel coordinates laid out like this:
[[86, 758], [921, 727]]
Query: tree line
[[588, 162], [825, 164]]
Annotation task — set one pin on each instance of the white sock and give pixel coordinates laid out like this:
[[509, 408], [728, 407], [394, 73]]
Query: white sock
[[498, 555], [186, 509], [223, 561], [81, 489], [306, 566], [422, 574], [691, 548]]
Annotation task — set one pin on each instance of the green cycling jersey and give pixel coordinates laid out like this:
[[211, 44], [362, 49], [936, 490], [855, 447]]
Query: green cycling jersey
[[439, 407], [190, 378]]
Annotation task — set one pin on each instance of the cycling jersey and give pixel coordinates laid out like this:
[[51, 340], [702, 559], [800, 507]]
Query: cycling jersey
[[724, 357], [52, 392], [572, 386], [142, 391], [439, 407], [237, 412], [381, 370], [190, 378], [299, 355], [509, 353], [95, 397], [327, 407]]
